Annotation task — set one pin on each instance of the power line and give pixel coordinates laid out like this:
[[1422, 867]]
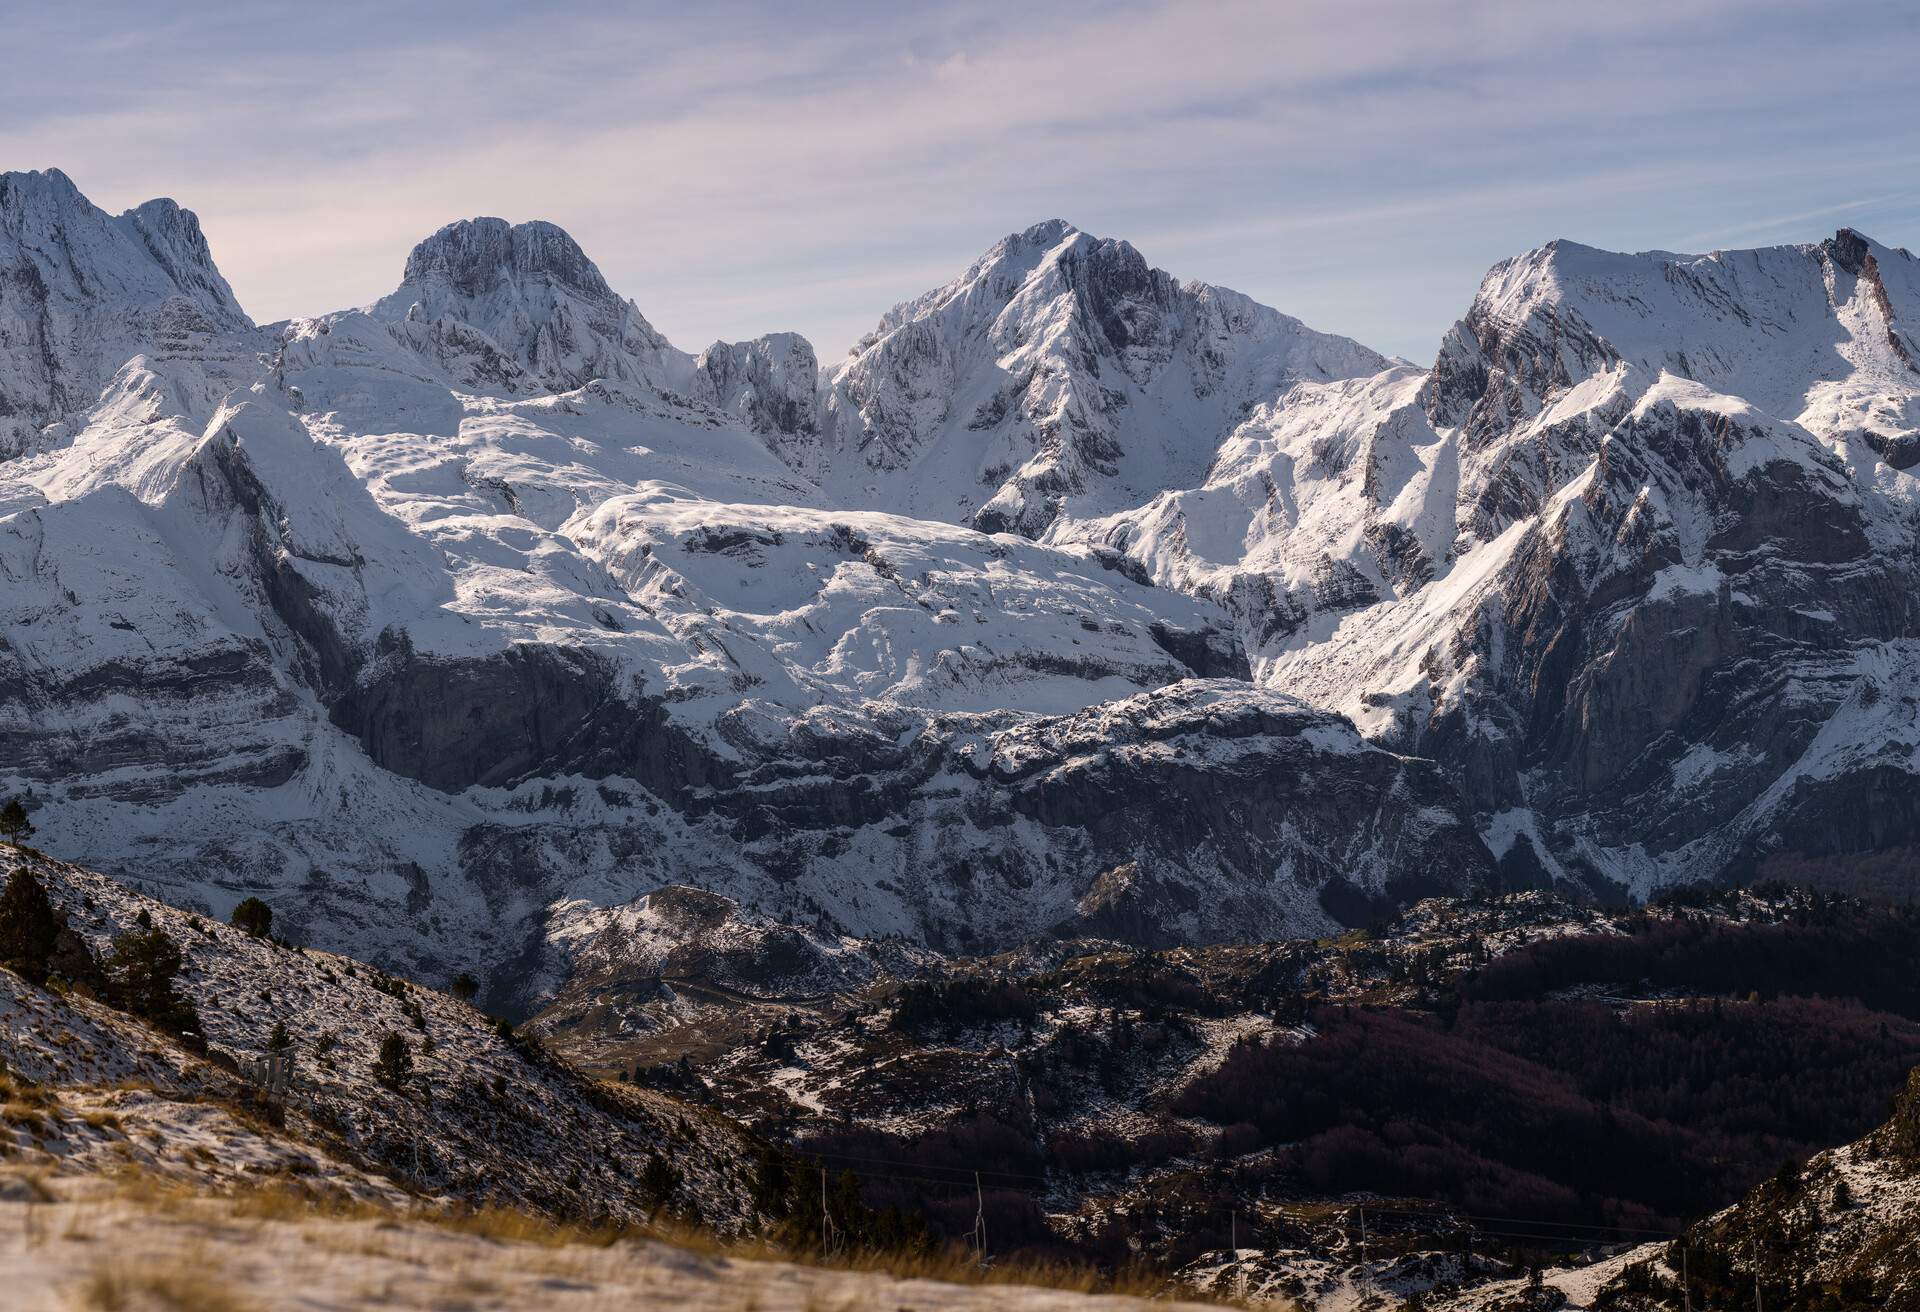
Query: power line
[[1532, 1229], [966, 1171], [960, 1186]]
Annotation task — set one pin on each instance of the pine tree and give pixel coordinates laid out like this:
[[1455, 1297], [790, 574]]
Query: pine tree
[[279, 1040], [394, 1064], [28, 926], [14, 825], [253, 916], [465, 987], [659, 1180], [142, 968]]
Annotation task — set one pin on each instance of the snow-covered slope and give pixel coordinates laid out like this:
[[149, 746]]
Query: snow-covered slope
[[447, 623], [1061, 374]]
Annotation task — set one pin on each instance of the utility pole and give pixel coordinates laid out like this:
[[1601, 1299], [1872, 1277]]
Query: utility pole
[[1753, 1256], [1239, 1270], [980, 1219], [1686, 1284]]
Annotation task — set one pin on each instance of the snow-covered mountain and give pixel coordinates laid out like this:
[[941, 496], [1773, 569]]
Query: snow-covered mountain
[[455, 624], [1634, 557], [1061, 374], [449, 624]]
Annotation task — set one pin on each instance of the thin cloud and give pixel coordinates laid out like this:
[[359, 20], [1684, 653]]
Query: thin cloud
[[757, 166]]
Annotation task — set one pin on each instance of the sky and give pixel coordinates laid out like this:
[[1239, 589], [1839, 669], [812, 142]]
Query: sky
[[739, 168]]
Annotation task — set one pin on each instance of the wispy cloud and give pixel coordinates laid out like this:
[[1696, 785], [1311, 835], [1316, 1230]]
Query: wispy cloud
[[740, 167]]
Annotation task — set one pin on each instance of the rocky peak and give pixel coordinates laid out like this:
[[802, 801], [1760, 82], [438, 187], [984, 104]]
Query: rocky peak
[[521, 308], [53, 236], [475, 257], [86, 291], [173, 238], [770, 383], [1061, 375], [46, 192], [1854, 251]]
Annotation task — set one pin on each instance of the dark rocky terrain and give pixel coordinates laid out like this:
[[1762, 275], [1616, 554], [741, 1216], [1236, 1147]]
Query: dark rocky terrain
[[1602, 1076]]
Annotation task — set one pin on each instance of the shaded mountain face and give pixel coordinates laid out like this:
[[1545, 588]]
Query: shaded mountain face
[[452, 625], [1839, 1230]]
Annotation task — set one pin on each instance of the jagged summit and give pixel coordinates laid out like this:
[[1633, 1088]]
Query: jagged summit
[[1820, 333], [1061, 374], [521, 308], [86, 291], [474, 257], [149, 253]]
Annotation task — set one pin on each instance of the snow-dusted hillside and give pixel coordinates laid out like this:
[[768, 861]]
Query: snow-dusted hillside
[[480, 1121], [1840, 1230]]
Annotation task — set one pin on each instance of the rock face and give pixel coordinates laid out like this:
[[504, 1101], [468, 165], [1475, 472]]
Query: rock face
[[521, 307], [1179, 792], [769, 384]]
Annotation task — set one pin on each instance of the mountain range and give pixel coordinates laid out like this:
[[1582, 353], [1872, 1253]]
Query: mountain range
[[1074, 600]]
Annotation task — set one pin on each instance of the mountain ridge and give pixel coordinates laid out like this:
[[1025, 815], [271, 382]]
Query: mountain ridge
[[485, 602]]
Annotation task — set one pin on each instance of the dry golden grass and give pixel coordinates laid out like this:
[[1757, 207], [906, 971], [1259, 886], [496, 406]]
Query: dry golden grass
[[134, 1184], [175, 1288], [16, 1090], [290, 1200], [293, 1202], [20, 1113], [508, 1226]]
